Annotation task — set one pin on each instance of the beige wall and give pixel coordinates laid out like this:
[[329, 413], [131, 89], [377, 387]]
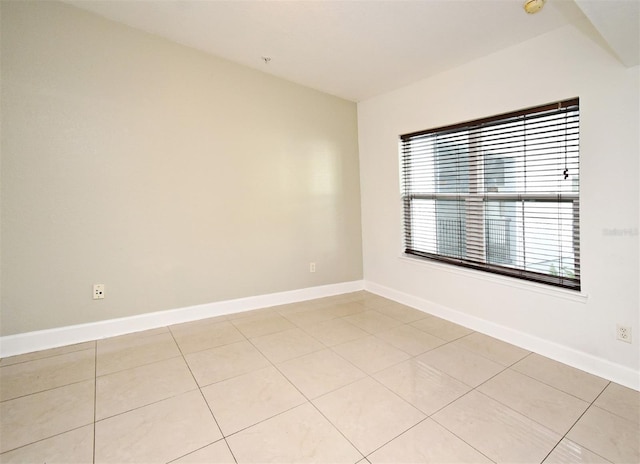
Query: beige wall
[[561, 64], [173, 177]]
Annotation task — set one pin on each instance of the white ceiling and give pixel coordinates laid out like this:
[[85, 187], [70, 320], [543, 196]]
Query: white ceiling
[[619, 24], [359, 49]]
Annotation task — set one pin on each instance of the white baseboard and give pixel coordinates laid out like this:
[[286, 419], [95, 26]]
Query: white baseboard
[[578, 359], [44, 339]]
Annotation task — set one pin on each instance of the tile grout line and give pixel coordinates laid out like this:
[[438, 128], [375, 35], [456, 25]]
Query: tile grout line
[[205, 402], [106, 418], [438, 424], [530, 418], [411, 357], [371, 376], [138, 366], [181, 356], [47, 390], [308, 401], [454, 433], [43, 358], [55, 388], [574, 424], [517, 412], [487, 357], [146, 363], [475, 389], [370, 334], [552, 386], [505, 368], [40, 440], [430, 416]]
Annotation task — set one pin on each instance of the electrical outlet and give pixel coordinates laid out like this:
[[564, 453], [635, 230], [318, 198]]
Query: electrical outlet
[[623, 333], [98, 291], [312, 267]]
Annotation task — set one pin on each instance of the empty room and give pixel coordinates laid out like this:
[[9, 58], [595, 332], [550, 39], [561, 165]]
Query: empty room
[[319, 231]]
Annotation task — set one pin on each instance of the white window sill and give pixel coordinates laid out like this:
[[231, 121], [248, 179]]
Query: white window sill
[[557, 292]]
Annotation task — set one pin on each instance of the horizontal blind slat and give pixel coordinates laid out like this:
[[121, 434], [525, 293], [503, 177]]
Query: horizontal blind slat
[[499, 194]]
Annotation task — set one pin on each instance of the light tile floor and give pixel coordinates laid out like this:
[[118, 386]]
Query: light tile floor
[[354, 378]]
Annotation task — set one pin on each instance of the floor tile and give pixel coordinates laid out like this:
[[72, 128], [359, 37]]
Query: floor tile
[[282, 346], [315, 381], [42, 415], [620, 400], [337, 299], [425, 387], [133, 336], [401, 312], [159, 432], [46, 353], [372, 321], [292, 308], [225, 362], [608, 435], [46, 373], [546, 405], [441, 328], [368, 414], [259, 313], [198, 323], [125, 390], [300, 435], [375, 301], [427, 442], [492, 348], [192, 337], [345, 309], [75, 446], [358, 295], [498, 432], [245, 400], [410, 340], [327, 301], [262, 326], [566, 378], [461, 364], [321, 372], [568, 452], [335, 331], [311, 317], [371, 354], [120, 353], [217, 453]]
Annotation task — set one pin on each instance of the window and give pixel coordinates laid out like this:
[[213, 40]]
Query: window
[[499, 194]]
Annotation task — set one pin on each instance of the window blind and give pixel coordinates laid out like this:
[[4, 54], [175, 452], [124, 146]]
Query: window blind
[[499, 194]]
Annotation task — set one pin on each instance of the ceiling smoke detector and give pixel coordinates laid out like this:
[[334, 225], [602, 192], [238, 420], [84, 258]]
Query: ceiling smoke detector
[[533, 6]]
